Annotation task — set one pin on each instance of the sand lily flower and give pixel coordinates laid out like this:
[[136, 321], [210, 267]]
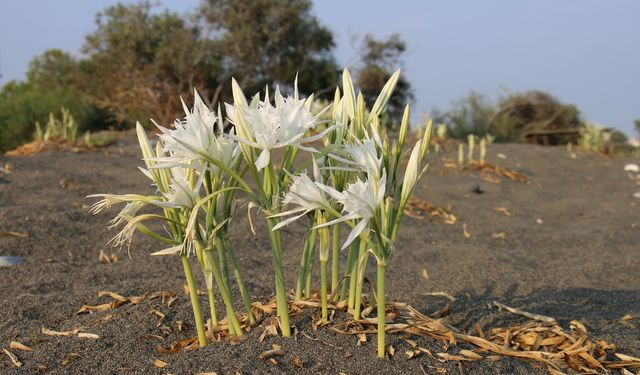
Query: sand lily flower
[[182, 192], [127, 214], [109, 200], [363, 156], [307, 195], [199, 137], [267, 127], [359, 201]]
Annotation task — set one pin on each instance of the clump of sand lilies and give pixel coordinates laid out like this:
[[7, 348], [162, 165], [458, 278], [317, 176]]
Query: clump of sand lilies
[[337, 169]]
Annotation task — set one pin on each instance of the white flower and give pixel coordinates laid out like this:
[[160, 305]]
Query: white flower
[[363, 156], [195, 138], [182, 193], [307, 195], [267, 127], [109, 200], [359, 200], [127, 214]]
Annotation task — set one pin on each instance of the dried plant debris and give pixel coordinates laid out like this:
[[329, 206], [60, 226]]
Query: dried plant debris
[[104, 258], [488, 172], [497, 170], [297, 362], [36, 147], [6, 168], [529, 315], [13, 358], [119, 300], [276, 351], [499, 235], [182, 345], [419, 209], [627, 321], [70, 358], [160, 363], [503, 210], [541, 340], [19, 346], [74, 332], [8, 233], [465, 232]]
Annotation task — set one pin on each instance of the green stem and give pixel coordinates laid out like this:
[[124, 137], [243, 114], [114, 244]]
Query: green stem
[[323, 289], [335, 258], [307, 286], [234, 326], [381, 311], [243, 289], [309, 264], [302, 273], [212, 308], [347, 275], [281, 296], [353, 279], [361, 264], [195, 302], [222, 259]]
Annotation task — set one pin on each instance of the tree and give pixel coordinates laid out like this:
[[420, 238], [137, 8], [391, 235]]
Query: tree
[[53, 69], [380, 58], [139, 61], [268, 41], [636, 124]]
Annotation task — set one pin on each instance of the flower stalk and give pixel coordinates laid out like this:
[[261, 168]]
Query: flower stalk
[[335, 258], [323, 234], [380, 292], [195, 302], [281, 296]]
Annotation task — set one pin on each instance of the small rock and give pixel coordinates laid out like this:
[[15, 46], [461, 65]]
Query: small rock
[[6, 261]]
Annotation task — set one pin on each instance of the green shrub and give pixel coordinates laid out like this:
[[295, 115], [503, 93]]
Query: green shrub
[[99, 140], [594, 137], [23, 104]]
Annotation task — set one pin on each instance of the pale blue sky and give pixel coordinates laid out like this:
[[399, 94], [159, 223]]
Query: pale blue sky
[[585, 52]]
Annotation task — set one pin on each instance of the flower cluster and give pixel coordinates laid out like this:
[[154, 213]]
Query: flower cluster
[[198, 170]]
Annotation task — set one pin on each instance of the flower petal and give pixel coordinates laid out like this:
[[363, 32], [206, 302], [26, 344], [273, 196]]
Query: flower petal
[[263, 160], [355, 232]]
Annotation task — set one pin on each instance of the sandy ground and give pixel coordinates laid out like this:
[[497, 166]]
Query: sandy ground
[[569, 250]]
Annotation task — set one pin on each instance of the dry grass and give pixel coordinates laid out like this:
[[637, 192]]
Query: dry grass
[[419, 209], [540, 338]]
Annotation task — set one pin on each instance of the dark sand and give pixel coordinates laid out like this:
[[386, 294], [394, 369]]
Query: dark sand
[[581, 263]]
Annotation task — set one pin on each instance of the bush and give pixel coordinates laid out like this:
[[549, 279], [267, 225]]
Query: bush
[[22, 104]]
